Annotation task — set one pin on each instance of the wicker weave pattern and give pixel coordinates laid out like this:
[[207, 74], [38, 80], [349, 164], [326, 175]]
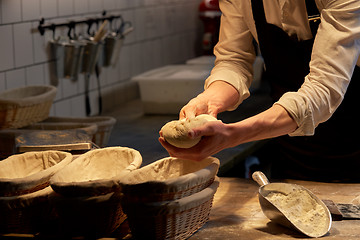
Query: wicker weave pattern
[[21, 111], [88, 216], [178, 226], [175, 220], [26, 213], [159, 197]]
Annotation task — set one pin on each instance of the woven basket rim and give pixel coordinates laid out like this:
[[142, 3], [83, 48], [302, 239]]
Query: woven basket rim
[[11, 186], [96, 186], [175, 184], [26, 200], [49, 94], [174, 206]]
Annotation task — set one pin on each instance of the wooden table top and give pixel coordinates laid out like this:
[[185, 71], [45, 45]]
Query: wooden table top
[[236, 212]]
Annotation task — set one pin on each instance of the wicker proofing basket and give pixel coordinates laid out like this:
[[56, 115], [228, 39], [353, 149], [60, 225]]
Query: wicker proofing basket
[[26, 214], [177, 219], [26, 105], [94, 216], [29, 172], [96, 172], [104, 124], [168, 179]]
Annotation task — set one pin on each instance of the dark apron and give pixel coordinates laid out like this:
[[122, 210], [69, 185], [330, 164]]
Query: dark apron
[[333, 153]]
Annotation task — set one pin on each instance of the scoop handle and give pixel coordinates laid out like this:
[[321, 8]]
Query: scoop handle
[[260, 178]]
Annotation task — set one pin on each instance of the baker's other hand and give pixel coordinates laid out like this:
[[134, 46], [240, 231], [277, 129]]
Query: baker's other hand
[[218, 97], [215, 136]]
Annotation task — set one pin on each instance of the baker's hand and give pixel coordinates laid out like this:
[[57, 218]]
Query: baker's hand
[[218, 97], [202, 104], [215, 137]]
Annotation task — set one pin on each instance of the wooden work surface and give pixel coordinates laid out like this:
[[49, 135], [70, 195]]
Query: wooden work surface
[[236, 213]]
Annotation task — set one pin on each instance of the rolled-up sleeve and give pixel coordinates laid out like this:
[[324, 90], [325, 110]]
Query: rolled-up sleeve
[[234, 52], [335, 53]]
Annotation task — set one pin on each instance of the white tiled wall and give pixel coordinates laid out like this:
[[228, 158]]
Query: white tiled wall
[[165, 33]]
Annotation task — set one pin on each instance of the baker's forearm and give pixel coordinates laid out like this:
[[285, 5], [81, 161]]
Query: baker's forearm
[[224, 93], [271, 123], [218, 97]]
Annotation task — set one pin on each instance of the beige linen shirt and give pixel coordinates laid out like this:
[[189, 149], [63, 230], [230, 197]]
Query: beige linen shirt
[[335, 54]]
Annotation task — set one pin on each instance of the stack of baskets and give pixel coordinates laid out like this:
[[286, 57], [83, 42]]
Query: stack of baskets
[[25, 190], [87, 199], [170, 198]]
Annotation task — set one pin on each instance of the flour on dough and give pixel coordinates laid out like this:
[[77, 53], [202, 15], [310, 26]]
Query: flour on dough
[[176, 132]]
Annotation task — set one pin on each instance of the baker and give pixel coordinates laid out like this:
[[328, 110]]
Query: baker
[[313, 69]]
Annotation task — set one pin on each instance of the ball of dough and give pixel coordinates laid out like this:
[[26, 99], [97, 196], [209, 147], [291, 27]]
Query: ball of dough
[[176, 132]]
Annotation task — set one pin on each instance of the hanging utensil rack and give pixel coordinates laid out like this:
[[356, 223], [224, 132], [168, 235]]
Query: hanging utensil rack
[[72, 23]]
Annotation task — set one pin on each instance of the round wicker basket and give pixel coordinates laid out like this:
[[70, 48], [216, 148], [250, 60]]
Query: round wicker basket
[[25, 214], [31, 171], [96, 172], [168, 179], [23, 106], [176, 220]]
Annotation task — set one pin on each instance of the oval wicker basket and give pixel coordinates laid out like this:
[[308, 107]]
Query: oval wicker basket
[[96, 172], [31, 171], [104, 124], [177, 219], [168, 179], [23, 106], [27, 213]]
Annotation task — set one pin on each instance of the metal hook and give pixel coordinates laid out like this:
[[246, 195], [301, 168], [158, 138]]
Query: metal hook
[[71, 26]]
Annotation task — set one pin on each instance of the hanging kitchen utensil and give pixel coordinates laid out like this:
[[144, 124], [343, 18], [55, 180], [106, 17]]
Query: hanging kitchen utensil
[[112, 45], [293, 206], [91, 55], [68, 55]]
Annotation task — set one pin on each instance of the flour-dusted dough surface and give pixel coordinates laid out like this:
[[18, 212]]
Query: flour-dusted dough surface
[[176, 132]]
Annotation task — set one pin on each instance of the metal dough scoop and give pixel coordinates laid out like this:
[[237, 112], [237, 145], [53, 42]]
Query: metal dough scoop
[[280, 213]]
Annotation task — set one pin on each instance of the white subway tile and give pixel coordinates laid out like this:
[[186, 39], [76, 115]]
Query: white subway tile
[[128, 16], [30, 10], [121, 4], [112, 74], [15, 78], [23, 44], [151, 26], [95, 6], [11, 11], [63, 108], [78, 106], [35, 75], [109, 5], [125, 63], [81, 6], [6, 47], [66, 7], [40, 45], [140, 24], [136, 59], [69, 88], [2, 82], [48, 8]]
